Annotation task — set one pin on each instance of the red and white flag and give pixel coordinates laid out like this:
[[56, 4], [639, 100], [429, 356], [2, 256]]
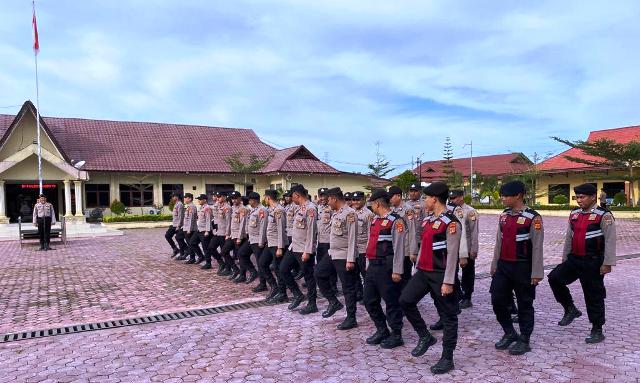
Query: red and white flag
[[36, 44]]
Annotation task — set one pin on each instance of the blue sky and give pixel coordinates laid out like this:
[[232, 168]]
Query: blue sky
[[337, 75]]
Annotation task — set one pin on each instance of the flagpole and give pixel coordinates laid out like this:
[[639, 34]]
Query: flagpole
[[35, 55]]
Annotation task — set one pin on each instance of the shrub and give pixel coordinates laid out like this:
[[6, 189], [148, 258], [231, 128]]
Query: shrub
[[560, 200], [467, 199], [138, 218], [620, 199], [117, 207]]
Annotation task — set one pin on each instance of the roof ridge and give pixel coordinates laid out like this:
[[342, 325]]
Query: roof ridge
[[620, 128], [144, 122]]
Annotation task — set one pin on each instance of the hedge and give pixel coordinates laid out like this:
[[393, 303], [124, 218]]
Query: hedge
[[138, 218], [558, 207]]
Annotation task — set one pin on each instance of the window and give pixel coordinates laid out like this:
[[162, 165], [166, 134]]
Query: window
[[136, 195], [212, 188], [558, 189], [168, 190], [97, 195]]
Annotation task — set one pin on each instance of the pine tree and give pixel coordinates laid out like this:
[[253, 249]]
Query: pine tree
[[447, 163]]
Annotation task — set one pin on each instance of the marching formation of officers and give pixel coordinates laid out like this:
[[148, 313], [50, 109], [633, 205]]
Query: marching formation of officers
[[398, 252]]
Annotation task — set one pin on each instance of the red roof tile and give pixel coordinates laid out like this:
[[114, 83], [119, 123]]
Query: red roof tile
[[495, 165], [559, 162], [297, 159]]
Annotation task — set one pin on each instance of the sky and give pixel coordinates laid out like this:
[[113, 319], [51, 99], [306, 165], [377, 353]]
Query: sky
[[337, 76]]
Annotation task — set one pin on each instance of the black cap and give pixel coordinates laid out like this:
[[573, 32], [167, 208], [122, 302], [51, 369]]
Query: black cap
[[414, 187], [456, 193], [202, 196], [437, 189], [585, 189], [245, 200], [512, 188], [357, 195], [377, 194], [188, 195], [323, 191], [299, 188], [394, 190], [347, 196], [254, 195], [42, 195], [335, 192], [287, 193], [273, 194], [235, 194]]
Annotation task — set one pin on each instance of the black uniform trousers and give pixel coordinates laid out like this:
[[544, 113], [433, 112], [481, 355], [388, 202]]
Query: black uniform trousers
[[264, 260], [322, 252], [362, 265], [468, 278], [379, 285], [44, 230], [513, 277], [430, 282], [296, 268], [257, 252], [290, 259], [204, 241], [244, 257], [324, 273], [193, 248], [264, 265], [407, 266], [587, 270], [197, 238], [349, 279], [217, 241], [171, 232], [228, 246]]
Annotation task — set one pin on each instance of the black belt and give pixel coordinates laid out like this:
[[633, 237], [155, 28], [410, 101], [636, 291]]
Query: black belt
[[378, 261]]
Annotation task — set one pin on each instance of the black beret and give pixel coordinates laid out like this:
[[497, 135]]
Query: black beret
[[253, 195], [512, 188], [188, 195], [245, 200], [380, 193], [357, 195], [414, 187], [335, 192], [287, 193], [299, 188], [202, 196], [437, 189], [42, 195], [394, 190], [585, 189], [271, 193], [234, 194], [322, 191], [456, 193]]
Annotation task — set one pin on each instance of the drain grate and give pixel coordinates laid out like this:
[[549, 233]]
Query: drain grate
[[72, 329]]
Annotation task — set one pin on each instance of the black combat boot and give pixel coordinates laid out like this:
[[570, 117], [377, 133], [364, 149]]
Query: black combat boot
[[225, 272], [310, 308], [466, 303], [571, 312], [380, 335], [191, 260], [253, 275], [175, 252], [392, 341], [424, 343], [221, 268], [260, 288], [241, 278], [348, 323], [444, 365], [182, 257], [506, 340], [596, 335], [235, 272], [521, 346], [439, 325], [206, 266], [334, 307], [298, 297], [272, 293], [281, 297]]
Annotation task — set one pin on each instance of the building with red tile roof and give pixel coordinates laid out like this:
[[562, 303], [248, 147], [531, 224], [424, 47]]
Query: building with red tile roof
[[497, 165]]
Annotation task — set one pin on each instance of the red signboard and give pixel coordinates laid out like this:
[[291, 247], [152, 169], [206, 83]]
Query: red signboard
[[36, 186]]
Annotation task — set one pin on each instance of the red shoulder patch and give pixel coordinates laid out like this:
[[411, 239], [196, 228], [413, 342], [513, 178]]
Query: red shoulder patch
[[400, 226], [537, 223], [453, 228]]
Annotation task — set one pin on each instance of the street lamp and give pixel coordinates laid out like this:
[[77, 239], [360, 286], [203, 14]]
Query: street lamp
[[471, 174]]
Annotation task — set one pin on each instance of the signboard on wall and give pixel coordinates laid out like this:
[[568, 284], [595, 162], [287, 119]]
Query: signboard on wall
[[36, 186]]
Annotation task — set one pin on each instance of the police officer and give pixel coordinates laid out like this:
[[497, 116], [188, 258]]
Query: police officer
[[221, 234], [416, 205], [257, 231], [385, 257], [343, 252], [290, 212], [276, 245], [517, 266], [190, 226], [43, 217], [365, 217], [468, 217], [588, 255], [237, 235], [398, 207], [203, 224], [435, 275], [176, 226], [324, 234], [303, 248]]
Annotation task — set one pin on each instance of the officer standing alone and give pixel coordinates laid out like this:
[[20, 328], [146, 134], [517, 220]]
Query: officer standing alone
[[43, 217]]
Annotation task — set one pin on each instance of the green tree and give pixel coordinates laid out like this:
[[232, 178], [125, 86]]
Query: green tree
[[607, 153], [447, 162], [455, 180], [404, 180], [117, 207], [243, 169], [381, 167]]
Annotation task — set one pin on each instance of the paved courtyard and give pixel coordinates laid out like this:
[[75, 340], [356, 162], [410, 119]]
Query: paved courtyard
[[100, 279]]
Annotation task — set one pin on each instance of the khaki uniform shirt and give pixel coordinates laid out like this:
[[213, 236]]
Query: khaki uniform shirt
[[178, 215], [365, 217], [277, 227], [257, 225], [343, 241], [189, 223], [43, 210], [239, 221], [204, 218], [305, 228], [324, 223], [223, 220]]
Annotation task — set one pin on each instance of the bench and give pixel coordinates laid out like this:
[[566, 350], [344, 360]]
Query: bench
[[31, 233]]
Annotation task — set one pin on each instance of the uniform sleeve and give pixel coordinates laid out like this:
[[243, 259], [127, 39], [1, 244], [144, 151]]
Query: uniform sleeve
[[566, 250], [227, 230], [53, 215], [312, 230], [35, 213], [180, 216], [497, 248], [454, 241], [399, 238], [474, 231], [608, 226], [352, 237], [243, 223], [463, 248], [414, 240], [282, 229], [537, 242], [207, 219], [262, 239]]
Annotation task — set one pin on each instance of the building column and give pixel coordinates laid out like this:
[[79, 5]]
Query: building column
[[67, 198], [157, 192], [78, 190], [3, 201]]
